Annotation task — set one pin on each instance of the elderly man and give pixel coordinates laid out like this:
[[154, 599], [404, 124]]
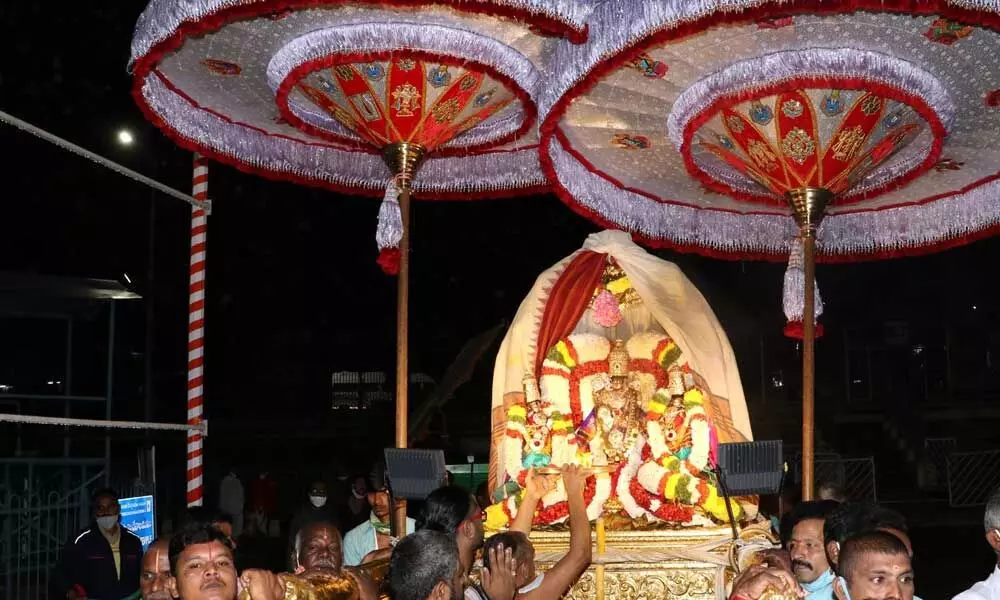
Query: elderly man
[[155, 578], [425, 566], [102, 561], [874, 565], [802, 536], [375, 534], [318, 548], [989, 587]]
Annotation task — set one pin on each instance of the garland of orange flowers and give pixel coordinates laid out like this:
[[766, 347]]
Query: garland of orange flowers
[[560, 510]]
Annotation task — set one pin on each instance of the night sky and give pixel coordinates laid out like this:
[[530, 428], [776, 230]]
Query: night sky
[[294, 290]]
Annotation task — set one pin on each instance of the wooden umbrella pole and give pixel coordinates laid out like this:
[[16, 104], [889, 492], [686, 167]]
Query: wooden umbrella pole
[[808, 364], [402, 347], [403, 160], [808, 206]]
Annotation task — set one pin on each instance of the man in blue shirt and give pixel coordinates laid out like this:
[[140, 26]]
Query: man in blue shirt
[[375, 534], [802, 536]]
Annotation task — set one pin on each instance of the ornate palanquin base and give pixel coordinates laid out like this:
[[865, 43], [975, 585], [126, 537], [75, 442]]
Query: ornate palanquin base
[[678, 564]]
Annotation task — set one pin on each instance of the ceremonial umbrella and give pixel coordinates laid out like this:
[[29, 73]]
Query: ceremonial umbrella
[[730, 127], [330, 93]]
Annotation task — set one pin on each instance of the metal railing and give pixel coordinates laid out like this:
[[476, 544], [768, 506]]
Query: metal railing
[[856, 476], [972, 477]]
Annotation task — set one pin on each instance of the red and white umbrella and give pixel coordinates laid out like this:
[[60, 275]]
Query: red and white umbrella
[[368, 98], [741, 129]]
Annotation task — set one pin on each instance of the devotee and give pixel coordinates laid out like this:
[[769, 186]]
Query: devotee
[[555, 582], [874, 565], [201, 562], [315, 509], [858, 517], [829, 490], [318, 548], [356, 509], [231, 501], [375, 533], [104, 560], [802, 536], [990, 587], [155, 578], [452, 510], [425, 566]]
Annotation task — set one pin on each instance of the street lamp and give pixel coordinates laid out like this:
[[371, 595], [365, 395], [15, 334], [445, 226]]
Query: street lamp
[[125, 137]]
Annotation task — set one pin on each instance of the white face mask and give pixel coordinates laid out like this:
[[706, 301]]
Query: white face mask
[[107, 523], [357, 495], [317, 501]]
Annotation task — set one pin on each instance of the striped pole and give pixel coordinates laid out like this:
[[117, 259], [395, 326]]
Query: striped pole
[[196, 333]]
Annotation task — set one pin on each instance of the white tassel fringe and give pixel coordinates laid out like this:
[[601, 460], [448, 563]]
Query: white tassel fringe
[[793, 298], [389, 232]]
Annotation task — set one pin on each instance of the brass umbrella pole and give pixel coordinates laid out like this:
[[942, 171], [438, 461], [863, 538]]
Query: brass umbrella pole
[[808, 206], [403, 159]]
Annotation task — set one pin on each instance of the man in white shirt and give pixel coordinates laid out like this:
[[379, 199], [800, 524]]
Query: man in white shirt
[[990, 587], [231, 500]]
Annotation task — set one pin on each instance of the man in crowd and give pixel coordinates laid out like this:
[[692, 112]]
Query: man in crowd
[[425, 566], [376, 533], [555, 582], [104, 560], [989, 588], [802, 536], [831, 491], [155, 579], [202, 568], [854, 518], [356, 509], [315, 509], [232, 500], [454, 511], [318, 548], [874, 565]]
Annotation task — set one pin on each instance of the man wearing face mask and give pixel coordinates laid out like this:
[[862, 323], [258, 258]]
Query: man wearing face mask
[[315, 509], [103, 562], [802, 536]]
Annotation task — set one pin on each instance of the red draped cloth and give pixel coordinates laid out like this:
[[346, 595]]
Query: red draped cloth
[[570, 296]]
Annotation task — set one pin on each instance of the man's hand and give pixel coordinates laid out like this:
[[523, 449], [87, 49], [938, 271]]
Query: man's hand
[[537, 486], [573, 478], [757, 579], [262, 585], [366, 587], [498, 582]]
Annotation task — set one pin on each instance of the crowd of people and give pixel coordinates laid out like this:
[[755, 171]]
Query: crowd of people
[[828, 549]]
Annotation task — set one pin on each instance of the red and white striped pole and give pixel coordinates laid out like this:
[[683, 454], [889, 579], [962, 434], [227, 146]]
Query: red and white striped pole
[[196, 333]]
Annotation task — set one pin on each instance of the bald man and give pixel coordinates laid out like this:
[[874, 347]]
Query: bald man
[[155, 573], [318, 547]]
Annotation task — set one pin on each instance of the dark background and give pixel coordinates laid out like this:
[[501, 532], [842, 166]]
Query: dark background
[[294, 293]]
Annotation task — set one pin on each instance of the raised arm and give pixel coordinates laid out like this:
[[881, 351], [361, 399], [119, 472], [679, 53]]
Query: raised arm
[[536, 486], [569, 568]]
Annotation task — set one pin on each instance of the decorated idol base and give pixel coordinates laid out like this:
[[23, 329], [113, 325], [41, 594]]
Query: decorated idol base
[[696, 563]]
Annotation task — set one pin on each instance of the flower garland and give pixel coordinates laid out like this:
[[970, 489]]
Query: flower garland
[[672, 512]]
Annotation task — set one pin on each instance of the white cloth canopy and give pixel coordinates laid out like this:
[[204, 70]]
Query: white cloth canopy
[[674, 303]]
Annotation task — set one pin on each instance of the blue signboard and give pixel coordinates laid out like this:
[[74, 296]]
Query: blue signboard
[[139, 518]]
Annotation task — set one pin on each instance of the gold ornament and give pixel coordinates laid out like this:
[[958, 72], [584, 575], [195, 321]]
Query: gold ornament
[[849, 141], [735, 124], [446, 111], [761, 155], [618, 360], [797, 145], [871, 105], [406, 99]]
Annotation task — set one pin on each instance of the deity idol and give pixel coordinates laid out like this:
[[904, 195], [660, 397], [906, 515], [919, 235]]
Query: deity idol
[[622, 390]]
